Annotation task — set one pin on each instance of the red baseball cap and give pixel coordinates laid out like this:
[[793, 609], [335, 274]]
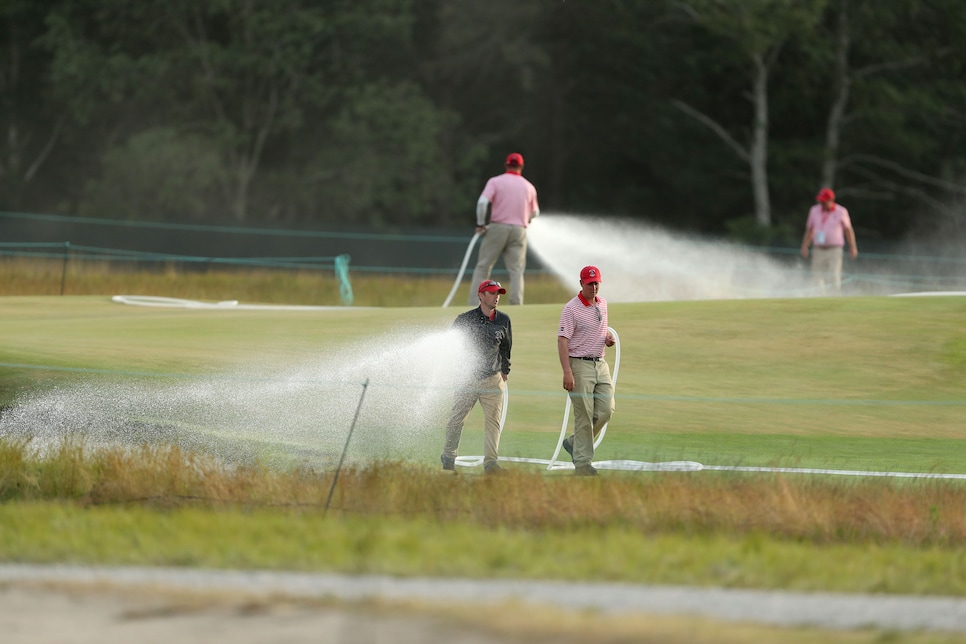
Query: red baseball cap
[[515, 159], [825, 194], [489, 286], [590, 274]]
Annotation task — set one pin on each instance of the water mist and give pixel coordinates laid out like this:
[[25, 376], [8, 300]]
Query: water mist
[[297, 413]]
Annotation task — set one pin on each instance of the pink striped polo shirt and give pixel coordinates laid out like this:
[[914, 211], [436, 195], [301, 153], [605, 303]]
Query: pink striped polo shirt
[[513, 198], [584, 324], [828, 226]]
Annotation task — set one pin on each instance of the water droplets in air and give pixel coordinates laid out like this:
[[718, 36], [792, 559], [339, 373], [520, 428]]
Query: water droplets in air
[[256, 412], [643, 263]]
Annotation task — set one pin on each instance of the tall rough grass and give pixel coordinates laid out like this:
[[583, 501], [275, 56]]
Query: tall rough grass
[[807, 509], [259, 285]]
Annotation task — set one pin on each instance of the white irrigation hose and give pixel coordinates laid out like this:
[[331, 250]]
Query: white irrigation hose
[[174, 302], [154, 300], [812, 470], [459, 277]]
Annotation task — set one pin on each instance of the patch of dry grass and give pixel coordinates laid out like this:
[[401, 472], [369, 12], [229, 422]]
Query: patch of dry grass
[[814, 510], [248, 285]]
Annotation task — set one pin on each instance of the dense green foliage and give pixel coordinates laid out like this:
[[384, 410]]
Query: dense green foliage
[[702, 115]]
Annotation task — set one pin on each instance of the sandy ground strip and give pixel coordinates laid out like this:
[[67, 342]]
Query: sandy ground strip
[[21, 583], [32, 614]]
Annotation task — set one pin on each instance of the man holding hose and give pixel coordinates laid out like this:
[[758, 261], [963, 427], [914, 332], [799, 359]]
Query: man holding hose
[[581, 339], [511, 202]]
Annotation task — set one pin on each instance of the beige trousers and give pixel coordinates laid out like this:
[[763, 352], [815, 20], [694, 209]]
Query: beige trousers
[[489, 392], [593, 405], [511, 242], [827, 267]]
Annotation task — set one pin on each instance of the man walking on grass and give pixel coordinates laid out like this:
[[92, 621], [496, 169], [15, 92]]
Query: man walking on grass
[[581, 339], [827, 230], [491, 337]]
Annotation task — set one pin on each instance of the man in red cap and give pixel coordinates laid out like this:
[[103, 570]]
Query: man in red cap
[[827, 229], [489, 333], [511, 202], [581, 339]]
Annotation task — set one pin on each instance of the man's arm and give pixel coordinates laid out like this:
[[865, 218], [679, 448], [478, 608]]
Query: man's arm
[[563, 351], [506, 345], [806, 240], [482, 213], [850, 237]]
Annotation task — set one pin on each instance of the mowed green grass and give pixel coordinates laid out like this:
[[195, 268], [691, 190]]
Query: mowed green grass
[[847, 383], [865, 383]]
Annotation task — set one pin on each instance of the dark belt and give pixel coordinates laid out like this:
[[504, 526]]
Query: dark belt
[[587, 358]]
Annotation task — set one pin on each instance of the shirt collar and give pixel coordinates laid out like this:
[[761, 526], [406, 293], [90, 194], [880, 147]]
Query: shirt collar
[[587, 302], [491, 316]]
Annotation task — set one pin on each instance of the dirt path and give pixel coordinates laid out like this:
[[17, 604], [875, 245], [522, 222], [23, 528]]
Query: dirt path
[[80, 605], [72, 615]]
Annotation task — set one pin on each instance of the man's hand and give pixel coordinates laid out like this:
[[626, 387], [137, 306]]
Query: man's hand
[[568, 381], [481, 230], [609, 339]]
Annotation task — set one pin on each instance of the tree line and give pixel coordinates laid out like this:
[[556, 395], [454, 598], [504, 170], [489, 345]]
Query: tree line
[[715, 116]]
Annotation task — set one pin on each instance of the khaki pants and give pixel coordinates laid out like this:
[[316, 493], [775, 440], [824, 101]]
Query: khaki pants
[[511, 242], [489, 391], [593, 405], [827, 267]]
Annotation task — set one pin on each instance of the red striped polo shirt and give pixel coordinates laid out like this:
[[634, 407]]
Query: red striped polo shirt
[[584, 324]]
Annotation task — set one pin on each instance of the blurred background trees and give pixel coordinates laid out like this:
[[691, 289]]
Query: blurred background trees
[[712, 116]]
